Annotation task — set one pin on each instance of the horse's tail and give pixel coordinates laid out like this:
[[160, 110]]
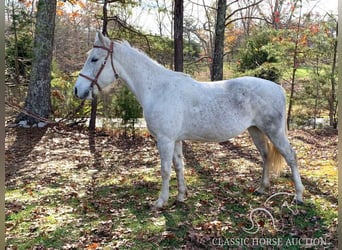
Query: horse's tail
[[275, 161]]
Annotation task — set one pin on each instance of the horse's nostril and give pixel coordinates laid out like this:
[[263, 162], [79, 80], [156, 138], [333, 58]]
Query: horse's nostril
[[75, 91]]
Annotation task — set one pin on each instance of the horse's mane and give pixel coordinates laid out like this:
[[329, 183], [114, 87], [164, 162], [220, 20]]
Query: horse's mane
[[143, 55]]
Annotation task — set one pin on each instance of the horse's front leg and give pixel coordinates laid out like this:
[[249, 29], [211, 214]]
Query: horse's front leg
[[166, 149], [179, 168]]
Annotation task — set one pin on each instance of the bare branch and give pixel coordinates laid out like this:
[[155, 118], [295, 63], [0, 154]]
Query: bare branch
[[199, 60], [243, 8], [249, 17], [130, 28], [203, 5]]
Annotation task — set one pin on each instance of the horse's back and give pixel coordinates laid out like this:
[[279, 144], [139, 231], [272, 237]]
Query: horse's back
[[247, 92], [255, 86], [267, 101], [263, 96], [220, 110], [214, 111]]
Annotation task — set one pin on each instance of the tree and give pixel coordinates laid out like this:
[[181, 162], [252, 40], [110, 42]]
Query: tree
[[74, 34], [38, 100], [279, 13], [217, 65], [128, 109], [295, 65], [332, 99], [222, 20], [92, 122], [322, 55], [256, 50], [162, 14], [19, 42], [178, 35]]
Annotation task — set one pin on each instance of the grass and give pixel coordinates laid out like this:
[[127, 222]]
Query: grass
[[304, 72]]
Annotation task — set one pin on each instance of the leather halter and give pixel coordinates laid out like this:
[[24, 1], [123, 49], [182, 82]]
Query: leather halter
[[109, 53]]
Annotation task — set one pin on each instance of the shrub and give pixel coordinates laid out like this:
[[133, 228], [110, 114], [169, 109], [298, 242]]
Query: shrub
[[128, 109], [268, 71], [257, 50]]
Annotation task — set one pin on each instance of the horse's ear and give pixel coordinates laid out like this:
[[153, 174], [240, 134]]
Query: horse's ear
[[101, 39], [97, 36]]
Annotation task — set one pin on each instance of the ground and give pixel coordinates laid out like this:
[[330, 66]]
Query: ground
[[68, 189]]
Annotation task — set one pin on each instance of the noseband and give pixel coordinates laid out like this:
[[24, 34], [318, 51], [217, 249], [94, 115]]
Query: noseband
[[109, 53]]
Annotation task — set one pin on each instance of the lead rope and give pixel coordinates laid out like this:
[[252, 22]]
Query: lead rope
[[43, 119]]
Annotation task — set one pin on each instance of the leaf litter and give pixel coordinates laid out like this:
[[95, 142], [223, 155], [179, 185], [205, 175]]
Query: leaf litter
[[97, 190]]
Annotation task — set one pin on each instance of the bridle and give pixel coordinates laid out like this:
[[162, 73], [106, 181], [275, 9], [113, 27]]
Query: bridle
[[109, 53]]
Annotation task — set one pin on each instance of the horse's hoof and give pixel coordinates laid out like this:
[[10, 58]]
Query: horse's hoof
[[178, 202], [181, 197], [158, 204]]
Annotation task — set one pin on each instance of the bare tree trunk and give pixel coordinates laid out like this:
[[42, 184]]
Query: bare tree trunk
[[294, 69], [217, 65], [105, 18], [94, 101], [92, 121], [316, 95], [276, 15], [178, 35], [38, 100], [332, 101], [208, 43], [16, 63]]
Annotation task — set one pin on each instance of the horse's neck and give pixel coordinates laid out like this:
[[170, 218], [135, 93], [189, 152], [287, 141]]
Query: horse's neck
[[137, 70]]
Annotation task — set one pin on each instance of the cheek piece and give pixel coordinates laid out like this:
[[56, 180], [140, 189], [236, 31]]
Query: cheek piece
[[94, 81]]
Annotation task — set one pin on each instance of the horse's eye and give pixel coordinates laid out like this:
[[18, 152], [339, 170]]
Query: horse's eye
[[94, 59]]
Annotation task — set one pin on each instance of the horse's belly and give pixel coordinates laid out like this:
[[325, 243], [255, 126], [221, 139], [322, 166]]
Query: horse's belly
[[213, 132]]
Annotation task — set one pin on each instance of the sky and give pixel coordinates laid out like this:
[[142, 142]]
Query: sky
[[146, 18], [328, 5]]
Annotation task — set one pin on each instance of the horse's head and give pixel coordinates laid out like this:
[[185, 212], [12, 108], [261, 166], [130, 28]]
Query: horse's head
[[98, 70]]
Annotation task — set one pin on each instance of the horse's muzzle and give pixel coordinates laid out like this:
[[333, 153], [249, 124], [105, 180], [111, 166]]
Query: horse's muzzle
[[84, 95]]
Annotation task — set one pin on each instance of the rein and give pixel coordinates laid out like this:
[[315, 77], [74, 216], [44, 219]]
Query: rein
[[109, 53]]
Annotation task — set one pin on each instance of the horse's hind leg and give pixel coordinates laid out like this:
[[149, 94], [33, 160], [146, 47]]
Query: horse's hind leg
[[259, 141], [179, 168], [281, 142]]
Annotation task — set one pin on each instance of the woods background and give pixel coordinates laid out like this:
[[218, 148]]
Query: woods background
[[291, 42]]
